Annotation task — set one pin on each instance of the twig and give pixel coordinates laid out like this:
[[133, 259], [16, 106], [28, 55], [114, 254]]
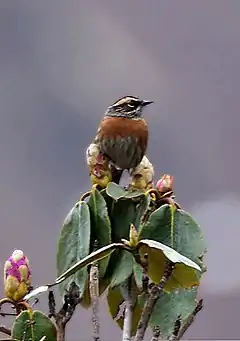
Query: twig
[[7, 314], [177, 326], [126, 290], [51, 304], [94, 294], [71, 300], [145, 281], [36, 301], [189, 320], [85, 195], [156, 333], [154, 293], [5, 330]]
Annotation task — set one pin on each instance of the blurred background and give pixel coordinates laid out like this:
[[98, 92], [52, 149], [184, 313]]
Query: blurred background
[[61, 64]]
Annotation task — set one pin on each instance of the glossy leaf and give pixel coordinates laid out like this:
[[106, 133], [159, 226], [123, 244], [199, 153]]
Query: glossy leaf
[[114, 258], [185, 272], [116, 306], [141, 208], [123, 268], [93, 257], [74, 244], [35, 292], [170, 253], [86, 300], [100, 224], [123, 213], [138, 274], [117, 192], [32, 326], [178, 230], [168, 308]]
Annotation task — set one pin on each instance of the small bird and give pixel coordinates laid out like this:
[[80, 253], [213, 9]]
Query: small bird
[[123, 134]]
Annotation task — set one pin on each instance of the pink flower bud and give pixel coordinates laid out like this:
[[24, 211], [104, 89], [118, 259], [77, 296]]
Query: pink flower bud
[[17, 276], [165, 184]]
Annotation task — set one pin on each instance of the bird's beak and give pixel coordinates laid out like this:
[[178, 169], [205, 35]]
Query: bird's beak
[[144, 103]]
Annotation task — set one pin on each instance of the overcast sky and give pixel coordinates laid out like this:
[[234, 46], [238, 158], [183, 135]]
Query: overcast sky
[[63, 62]]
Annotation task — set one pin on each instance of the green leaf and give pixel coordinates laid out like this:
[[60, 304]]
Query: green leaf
[[32, 326], [73, 246], [138, 274], [184, 274], [93, 257], [123, 268], [117, 192], [115, 305], [141, 209], [170, 253], [168, 308], [178, 230], [35, 292], [100, 225], [123, 213], [86, 300]]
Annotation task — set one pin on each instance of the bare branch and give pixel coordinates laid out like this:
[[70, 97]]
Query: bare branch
[[71, 300], [153, 296], [189, 320], [5, 330], [177, 326], [156, 334], [94, 294], [145, 281], [7, 314], [127, 292], [51, 304]]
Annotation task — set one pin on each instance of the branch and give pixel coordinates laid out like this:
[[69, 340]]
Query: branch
[[5, 330], [153, 296], [177, 326], [126, 290], [7, 314], [94, 295], [71, 300], [189, 320], [156, 334], [145, 281], [51, 304]]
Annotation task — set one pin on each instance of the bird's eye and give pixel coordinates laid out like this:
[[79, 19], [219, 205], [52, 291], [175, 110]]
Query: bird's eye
[[131, 105]]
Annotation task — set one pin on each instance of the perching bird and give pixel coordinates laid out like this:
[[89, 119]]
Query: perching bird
[[123, 134]]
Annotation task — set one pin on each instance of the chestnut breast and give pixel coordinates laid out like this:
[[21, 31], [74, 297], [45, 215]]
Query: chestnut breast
[[123, 140]]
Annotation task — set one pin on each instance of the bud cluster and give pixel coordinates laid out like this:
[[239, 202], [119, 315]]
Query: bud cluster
[[17, 276], [142, 175], [99, 167]]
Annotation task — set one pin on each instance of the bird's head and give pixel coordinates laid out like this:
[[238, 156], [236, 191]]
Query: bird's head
[[127, 107]]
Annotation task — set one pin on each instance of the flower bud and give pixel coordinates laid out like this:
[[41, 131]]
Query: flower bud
[[94, 156], [99, 166], [17, 276], [165, 184], [142, 175], [100, 176], [133, 236]]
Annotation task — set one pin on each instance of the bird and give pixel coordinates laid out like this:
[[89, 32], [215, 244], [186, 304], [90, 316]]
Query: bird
[[122, 135]]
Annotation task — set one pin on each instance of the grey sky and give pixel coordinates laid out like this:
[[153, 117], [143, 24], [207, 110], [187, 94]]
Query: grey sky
[[62, 63]]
